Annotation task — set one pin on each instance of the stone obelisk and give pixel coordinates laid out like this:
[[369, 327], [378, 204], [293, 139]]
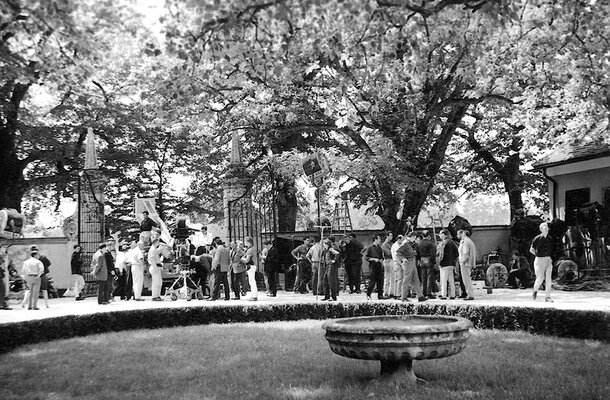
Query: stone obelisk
[[91, 199], [237, 204]]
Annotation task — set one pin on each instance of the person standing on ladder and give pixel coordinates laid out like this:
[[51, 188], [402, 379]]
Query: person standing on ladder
[[146, 227]]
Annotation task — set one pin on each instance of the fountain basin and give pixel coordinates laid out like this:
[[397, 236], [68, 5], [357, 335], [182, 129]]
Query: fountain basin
[[397, 340]]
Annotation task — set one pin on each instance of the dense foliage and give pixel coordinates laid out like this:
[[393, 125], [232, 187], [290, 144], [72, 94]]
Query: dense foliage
[[408, 99]]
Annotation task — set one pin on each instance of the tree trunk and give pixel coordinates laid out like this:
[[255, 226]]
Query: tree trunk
[[512, 177], [287, 206], [426, 170], [13, 185]]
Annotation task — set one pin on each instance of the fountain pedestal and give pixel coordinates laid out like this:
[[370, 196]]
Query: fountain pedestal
[[397, 340]]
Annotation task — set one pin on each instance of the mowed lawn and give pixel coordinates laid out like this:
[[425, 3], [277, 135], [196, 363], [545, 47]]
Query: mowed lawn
[[292, 360]]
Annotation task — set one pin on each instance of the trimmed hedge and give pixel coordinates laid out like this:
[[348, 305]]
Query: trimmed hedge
[[593, 325]]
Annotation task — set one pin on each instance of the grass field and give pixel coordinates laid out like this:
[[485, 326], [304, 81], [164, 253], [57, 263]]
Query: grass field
[[292, 360]]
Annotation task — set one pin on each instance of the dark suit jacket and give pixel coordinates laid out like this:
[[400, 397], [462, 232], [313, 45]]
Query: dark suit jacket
[[236, 263], [100, 270], [222, 259]]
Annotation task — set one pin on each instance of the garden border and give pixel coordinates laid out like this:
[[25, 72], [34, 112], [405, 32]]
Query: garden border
[[581, 324]]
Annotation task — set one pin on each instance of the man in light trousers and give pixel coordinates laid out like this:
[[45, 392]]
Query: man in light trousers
[[396, 287], [467, 258], [388, 265], [543, 265]]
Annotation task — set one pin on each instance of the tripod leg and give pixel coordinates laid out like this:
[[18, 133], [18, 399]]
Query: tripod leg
[[171, 288]]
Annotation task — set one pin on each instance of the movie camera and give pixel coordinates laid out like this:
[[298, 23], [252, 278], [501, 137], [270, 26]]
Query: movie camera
[[183, 286]]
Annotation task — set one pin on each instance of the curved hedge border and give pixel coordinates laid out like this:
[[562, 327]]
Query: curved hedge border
[[563, 323]]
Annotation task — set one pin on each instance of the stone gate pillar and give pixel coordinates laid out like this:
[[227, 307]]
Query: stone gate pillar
[[237, 204], [90, 212]]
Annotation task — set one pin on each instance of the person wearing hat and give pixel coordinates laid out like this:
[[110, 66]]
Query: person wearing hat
[[44, 278], [136, 258], [32, 270], [146, 227], [100, 270]]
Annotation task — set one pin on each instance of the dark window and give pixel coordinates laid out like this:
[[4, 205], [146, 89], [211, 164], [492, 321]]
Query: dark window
[[574, 200]]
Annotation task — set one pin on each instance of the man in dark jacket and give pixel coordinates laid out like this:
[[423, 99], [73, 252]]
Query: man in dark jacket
[[353, 262], [100, 272], [406, 254], [271, 267], [374, 255], [447, 257], [427, 261], [76, 263]]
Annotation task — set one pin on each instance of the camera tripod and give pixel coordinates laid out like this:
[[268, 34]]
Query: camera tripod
[[184, 285]]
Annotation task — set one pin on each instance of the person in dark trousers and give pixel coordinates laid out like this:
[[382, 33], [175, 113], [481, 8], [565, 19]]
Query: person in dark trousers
[[353, 262], [328, 281], [374, 255], [100, 272], [221, 263], [447, 257], [427, 261], [238, 268], [303, 275], [271, 267], [111, 272]]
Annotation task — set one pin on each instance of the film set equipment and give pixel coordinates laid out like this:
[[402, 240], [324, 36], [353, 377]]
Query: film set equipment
[[183, 285], [181, 229]]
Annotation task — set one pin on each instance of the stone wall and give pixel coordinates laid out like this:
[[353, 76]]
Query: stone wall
[[57, 249]]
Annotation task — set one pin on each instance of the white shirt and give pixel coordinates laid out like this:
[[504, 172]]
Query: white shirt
[[135, 256], [202, 240], [121, 258], [32, 266], [394, 249]]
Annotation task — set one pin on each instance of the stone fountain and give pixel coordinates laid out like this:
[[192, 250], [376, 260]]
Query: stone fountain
[[397, 340]]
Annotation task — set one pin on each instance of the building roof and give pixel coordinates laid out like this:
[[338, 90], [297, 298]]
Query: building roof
[[594, 145]]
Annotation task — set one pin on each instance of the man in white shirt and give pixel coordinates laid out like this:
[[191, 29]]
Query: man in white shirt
[[136, 257], [32, 270], [155, 266], [397, 282]]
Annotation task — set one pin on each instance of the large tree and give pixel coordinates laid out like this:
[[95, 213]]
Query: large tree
[[385, 84], [551, 76]]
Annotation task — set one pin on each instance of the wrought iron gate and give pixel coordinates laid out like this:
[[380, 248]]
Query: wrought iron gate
[[90, 219], [254, 213]]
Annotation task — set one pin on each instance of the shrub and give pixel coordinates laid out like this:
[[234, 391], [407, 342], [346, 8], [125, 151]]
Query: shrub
[[563, 323]]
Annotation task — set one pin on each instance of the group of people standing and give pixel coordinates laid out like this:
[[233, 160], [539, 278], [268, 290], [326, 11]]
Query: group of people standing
[[401, 268], [412, 265]]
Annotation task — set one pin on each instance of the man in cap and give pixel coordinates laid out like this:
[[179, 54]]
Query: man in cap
[[100, 271], [32, 270]]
